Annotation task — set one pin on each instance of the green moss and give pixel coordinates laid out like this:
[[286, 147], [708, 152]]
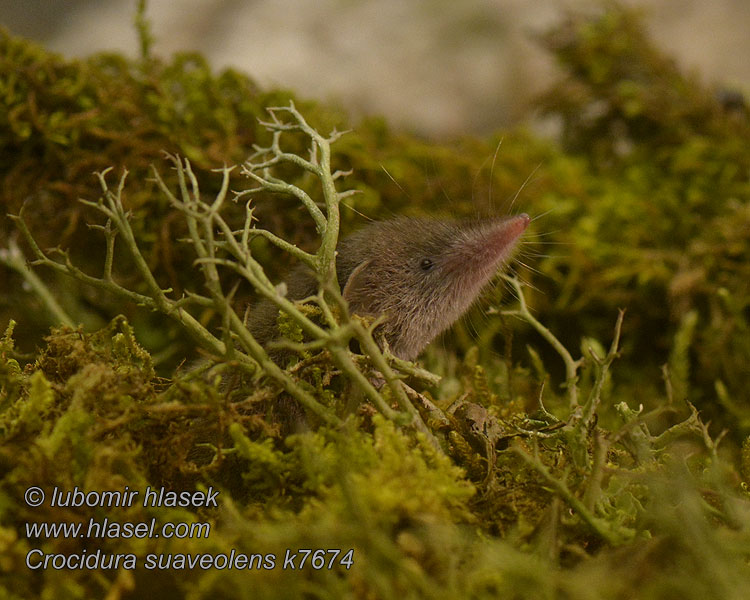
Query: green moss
[[94, 415]]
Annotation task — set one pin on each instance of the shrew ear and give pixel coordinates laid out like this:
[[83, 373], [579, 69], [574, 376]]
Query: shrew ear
[[355, 291]]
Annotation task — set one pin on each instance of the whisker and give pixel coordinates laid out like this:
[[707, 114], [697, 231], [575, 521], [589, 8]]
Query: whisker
[[545, 213], [523, 185], [472, 327], [440, 184], [542, 243], [529, 268], [542, 233], [540, 255], [527, 284], [511, 290], [361, 214], [398, 185], [492, 172], [476, 181]]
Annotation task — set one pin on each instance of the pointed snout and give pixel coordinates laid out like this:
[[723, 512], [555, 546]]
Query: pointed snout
[[519, 223]]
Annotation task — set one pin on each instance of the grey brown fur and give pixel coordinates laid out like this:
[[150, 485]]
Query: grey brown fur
[[423, 274]]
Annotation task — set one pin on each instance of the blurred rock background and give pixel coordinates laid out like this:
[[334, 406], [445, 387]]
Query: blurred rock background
[[435, 67]]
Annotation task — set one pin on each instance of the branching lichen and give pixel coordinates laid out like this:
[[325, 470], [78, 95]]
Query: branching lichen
[[14, 258], [218, 246]]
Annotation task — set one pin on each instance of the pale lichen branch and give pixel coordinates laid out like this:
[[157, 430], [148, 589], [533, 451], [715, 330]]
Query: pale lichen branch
[[13, 258], [218, 246], [571, 365]]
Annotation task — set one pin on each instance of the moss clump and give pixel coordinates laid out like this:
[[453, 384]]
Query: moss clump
[[660, 226], [416, 522], [64, 120]]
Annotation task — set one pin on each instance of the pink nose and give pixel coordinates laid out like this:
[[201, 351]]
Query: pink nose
[[519, 224]]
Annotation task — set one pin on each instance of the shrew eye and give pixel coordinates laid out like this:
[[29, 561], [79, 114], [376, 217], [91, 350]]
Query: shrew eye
[[426, 264]]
